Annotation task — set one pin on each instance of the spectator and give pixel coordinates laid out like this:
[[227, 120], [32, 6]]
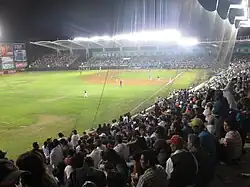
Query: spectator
[[205, 162], [10, 174], [38, 151], [121, 148], [87, 173], [38, 176], [96, 153], [74, 138], [177, 164], [56, 155], [154, 175], [2, 154], [232, 143], [207, 140]]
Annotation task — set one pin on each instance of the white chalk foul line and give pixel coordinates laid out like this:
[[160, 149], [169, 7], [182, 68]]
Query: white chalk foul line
[[167, 84]]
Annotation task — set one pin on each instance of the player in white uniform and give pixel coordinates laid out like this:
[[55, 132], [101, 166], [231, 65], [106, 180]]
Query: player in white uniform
[[85, 93]]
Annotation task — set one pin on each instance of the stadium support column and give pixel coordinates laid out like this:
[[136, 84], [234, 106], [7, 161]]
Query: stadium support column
[[87, 54]]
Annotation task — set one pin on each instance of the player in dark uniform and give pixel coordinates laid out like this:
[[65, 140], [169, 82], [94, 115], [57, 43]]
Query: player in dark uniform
[[120, 83]]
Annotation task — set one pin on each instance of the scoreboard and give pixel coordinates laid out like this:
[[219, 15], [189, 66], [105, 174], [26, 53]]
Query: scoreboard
[[13, 56]]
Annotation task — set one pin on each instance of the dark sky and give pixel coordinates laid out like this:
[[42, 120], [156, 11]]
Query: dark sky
[[22, 20], [50, 19]]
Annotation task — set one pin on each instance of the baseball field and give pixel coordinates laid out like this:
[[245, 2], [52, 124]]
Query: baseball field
[[38, 105]]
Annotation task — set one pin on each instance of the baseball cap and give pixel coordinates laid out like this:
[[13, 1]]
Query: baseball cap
[[175, 140], [9, 172], [195, 122]]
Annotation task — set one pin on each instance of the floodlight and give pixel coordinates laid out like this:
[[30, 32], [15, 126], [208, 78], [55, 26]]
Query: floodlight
[[81, 39], [187, 41]]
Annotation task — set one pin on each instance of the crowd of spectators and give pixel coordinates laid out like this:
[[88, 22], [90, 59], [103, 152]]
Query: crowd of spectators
[[157, 61], [54, 61], [177, 144]]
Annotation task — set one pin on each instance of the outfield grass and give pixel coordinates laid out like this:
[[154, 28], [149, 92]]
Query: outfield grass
[[38, 105]]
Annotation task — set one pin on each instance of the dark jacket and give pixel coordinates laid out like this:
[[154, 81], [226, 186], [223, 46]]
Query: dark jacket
[[81, 175]]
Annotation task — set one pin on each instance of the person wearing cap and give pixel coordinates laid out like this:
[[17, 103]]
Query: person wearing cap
[[9, 174], [182, 166], [207, 140]]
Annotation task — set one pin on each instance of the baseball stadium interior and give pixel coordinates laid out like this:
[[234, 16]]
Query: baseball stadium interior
[[156, 93]]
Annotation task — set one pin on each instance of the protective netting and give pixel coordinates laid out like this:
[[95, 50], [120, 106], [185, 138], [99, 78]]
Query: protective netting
[[212, 27]]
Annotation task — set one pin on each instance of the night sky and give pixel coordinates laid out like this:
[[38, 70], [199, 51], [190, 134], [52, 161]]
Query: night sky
[[22, 20]]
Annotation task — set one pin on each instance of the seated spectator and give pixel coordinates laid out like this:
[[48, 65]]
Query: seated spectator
[[87, 173], [206, 166], [38, 176], [161, 148], [231, 148], [207, 140], [181, 165], [10, 174], [154, 175]]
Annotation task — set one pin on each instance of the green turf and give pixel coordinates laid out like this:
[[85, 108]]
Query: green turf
[[38, 105]]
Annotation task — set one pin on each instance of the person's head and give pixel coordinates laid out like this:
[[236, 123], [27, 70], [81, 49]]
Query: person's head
[[148, 159], [218, 95], [2, 154], [197, 125], [98, 142], [74, 132], [176, 143], [89, 162], [142, 130], [9, 174], [229, 125], [60, 135], [118, 139], [32, 163], [71, 152], [175, 126], [35, 145]]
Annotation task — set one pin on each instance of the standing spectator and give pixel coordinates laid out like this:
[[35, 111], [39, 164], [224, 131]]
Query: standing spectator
[[56, 155], [220, 111], [38, 151], [2, 154], [181, 165], [45, 149], [96, 153], [74, 138], [121, 148], [154, 175]]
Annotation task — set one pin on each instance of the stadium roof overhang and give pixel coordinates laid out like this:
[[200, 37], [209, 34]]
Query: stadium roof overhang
[[162, 38]]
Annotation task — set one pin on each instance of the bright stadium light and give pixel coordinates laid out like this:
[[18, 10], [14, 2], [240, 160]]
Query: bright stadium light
[[167, 35], [187, 41], [81, 39]]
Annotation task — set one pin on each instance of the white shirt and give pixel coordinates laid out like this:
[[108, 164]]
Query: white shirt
[[122, 150], [67, 171], [74, 139], [170, 164], [96, 156], [56, 156], [45, 151]]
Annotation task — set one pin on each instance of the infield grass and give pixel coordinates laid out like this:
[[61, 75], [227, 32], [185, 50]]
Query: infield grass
[[38, 105]]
